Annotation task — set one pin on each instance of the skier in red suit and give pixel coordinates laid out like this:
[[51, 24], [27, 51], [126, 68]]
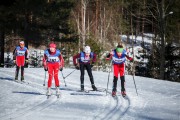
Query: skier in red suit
[[20, 56], [53, 62], [118, 57]]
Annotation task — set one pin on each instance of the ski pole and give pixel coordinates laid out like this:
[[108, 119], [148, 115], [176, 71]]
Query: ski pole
[[44, 79], [134, 79], [108, 78], [63, 78], [70, 73], [135, 85]]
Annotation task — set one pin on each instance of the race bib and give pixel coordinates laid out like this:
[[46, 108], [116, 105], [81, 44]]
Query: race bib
[[85, 60], [118, 60], [20, 53], [53, 59]]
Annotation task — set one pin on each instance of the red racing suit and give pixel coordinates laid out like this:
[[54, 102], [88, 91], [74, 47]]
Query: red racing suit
[[118, 62], [53, 61], [20, 54]]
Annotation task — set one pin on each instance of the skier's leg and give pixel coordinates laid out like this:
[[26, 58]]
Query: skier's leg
[[17, 67], [115, 83], [56, 70], [114, 89], [122, 70], [17, 72], [122, 83], [82, 76], [50, 71], [89, 71], [22, 73]]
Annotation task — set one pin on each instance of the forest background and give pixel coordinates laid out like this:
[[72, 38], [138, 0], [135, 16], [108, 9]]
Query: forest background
[[72, 24]]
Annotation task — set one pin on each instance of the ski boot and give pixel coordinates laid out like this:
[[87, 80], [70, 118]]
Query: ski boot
[[123, 93], [22, 78], [113, 93], [48, 93], [57, 92], [16, 78], [94, 87], [82, 88]]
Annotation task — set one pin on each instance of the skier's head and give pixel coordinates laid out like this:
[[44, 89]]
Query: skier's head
[[87, 49], [52, 47], [21, 44], [119, 51]]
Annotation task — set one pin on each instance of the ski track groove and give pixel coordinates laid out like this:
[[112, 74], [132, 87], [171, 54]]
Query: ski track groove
[[32, 109], [29, 110], [114, 111]]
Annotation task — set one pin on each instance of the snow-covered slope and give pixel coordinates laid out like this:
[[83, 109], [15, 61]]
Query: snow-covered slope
[[156, 100]]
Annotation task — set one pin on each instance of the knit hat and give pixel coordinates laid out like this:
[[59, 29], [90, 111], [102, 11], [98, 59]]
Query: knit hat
[[119, 50], [22, 42], [87, 49], [52, 45]]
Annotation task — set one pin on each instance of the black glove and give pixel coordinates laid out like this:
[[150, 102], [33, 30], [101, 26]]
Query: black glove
[[77, 67], [108, 56], [61, 69], [46, 69]]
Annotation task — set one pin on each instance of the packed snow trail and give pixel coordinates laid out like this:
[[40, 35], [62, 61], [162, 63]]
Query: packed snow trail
[[157, 99]]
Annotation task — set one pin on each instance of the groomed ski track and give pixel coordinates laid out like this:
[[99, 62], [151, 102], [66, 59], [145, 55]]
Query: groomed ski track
[[111, 108]]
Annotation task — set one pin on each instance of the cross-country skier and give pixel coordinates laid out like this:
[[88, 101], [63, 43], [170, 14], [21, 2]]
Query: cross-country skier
[[53, 62], [20, 57], [85, 60], [118, 57]]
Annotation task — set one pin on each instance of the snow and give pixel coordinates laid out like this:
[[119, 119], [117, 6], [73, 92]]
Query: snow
[[156, 100]]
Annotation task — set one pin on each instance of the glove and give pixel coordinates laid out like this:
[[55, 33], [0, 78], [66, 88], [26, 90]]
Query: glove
[[61, 69], [77, 67], [26, 61], [14, 61], [45, 68], [131, 60]]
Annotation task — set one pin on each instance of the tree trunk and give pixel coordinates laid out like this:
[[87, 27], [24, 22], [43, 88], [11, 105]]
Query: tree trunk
[[83, 14], [162, 34], [2, 36]]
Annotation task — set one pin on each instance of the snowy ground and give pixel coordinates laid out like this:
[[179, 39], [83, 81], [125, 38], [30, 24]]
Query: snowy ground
[[157, 100]]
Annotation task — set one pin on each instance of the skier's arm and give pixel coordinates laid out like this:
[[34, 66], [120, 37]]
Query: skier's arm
[[61, 61], [75, 57], [109, 56], [129, 58], [44, 61], [27, 54], [14, 54], [94, 58]]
